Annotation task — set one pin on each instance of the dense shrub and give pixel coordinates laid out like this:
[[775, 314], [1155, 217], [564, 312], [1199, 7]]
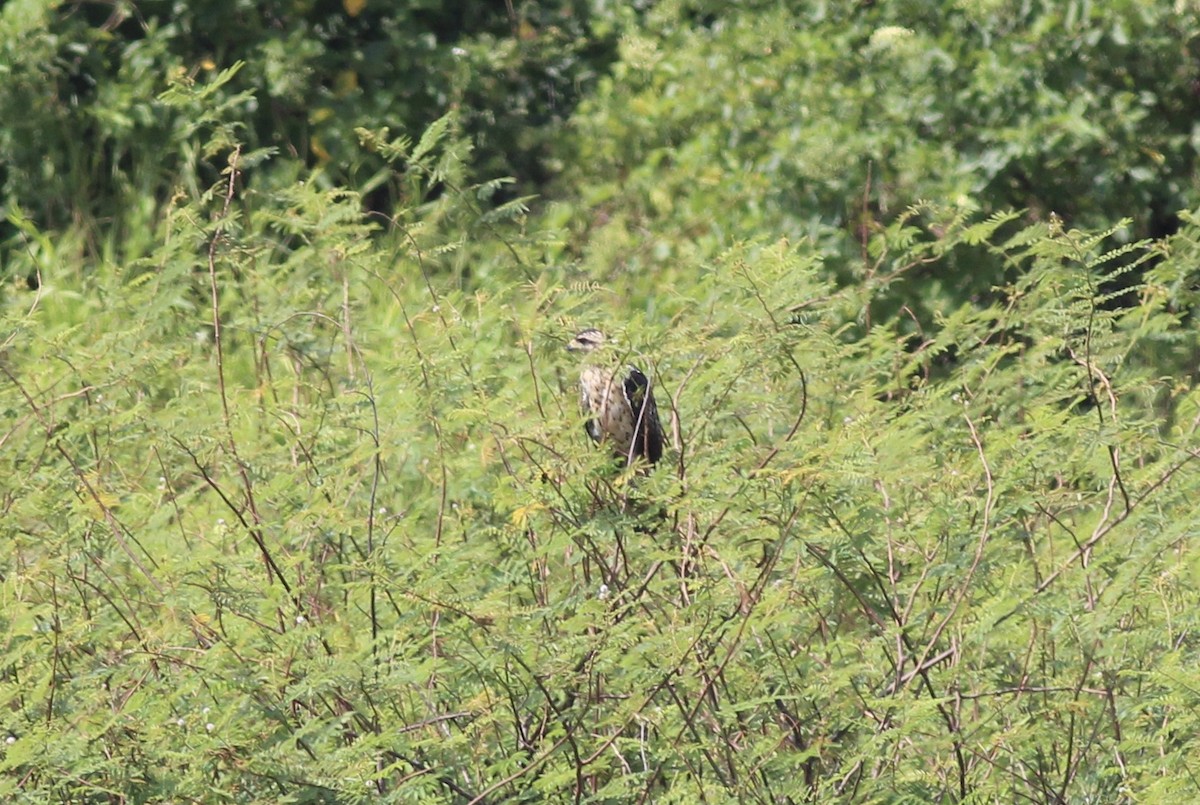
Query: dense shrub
[[87, 139], [297, 501], [827, 120]]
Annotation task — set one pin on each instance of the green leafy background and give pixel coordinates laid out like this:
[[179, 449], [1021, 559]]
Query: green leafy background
[[296, 500]]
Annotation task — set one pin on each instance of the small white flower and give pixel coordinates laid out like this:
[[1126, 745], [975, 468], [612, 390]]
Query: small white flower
[[210, 726], [10, 740], [459, 52], [179, 722], [889, 36], [301, 620], [603, 592]]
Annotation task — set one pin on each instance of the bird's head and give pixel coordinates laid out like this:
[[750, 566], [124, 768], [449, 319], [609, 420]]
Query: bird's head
[[586, 341]]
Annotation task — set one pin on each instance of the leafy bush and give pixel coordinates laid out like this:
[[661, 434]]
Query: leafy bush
[[299, 506], [294, 516], [829, 120], [88, 141]]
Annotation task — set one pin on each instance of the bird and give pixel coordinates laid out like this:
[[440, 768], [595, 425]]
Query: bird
[[618, 403]]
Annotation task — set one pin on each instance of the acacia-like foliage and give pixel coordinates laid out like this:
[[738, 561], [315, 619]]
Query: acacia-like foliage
[[293, 510], [86, 140]]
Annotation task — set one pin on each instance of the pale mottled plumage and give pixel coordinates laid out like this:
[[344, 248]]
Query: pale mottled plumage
[[619, 404]]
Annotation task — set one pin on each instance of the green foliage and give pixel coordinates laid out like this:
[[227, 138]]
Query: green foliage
[[828, 120], [90, 139], [299, 506], [294, 515]]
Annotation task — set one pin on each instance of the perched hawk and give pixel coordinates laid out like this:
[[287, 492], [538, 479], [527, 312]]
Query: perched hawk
[[619, 403]]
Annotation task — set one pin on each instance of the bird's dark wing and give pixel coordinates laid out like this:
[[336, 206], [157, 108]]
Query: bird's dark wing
[[647, 429]]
